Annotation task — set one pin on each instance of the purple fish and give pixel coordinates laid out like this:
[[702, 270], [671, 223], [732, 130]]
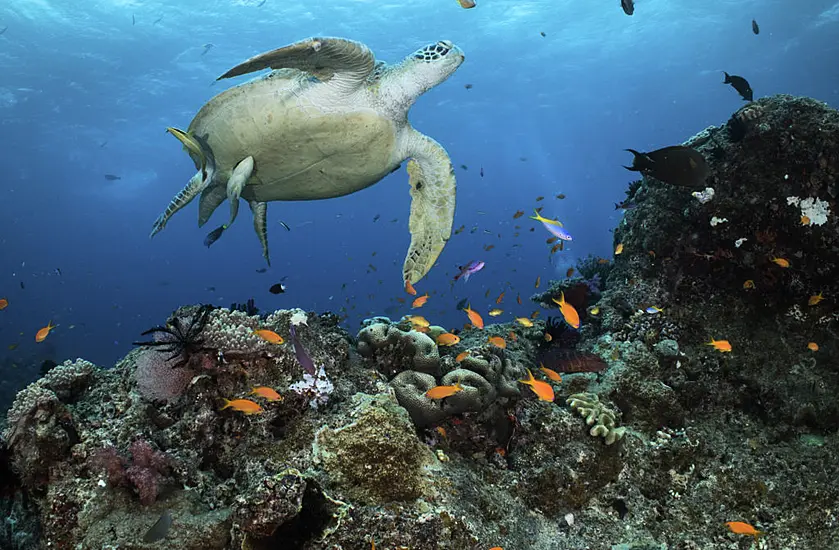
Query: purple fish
[[469, 269], [302, 357]]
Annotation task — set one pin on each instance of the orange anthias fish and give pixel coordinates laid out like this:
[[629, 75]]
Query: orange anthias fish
[[474, 317], [497, 341], [518, 214], [518, 299], [720, 345], [538, 281], [749, 284], [814, 299], [462, 355], [419, 302], [619, 249], [409, 288], [418, 320], [812, 346], [513, 336], [781, 262], [267, 393], [568, 312], [242, 405], [269, 336], [4, 303], [569, 272], [41, 335], [742, 528], [439, 392], [550, 373], [500, 298], [448, 339], [542, 389]]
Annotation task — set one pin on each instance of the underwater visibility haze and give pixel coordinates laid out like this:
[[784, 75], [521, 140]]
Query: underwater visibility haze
[[633, 183]]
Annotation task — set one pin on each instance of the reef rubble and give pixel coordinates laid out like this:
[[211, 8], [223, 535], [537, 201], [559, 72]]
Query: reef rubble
[[654, 439]]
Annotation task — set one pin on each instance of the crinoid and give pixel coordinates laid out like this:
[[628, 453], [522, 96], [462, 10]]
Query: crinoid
[[181, 336]]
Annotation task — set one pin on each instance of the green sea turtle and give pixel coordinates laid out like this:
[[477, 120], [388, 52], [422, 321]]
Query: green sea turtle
[[327, 121]]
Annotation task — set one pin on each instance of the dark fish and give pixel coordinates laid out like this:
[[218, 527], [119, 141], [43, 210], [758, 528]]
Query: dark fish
[[628, 6], [22, 286], [376, 217], [625, 205], [4, 29], [467, 86], [133, 20], [461, 304], [262, 270], [207, 47], [543, 34], [211, 288], [740, 84], [284, 224], [160, 529], [755, 27], [214, 235], [261, 4], [278, 288], [676, 165], [300, 352], [103, 144], [57, 271], [464, 167], [482, 171], [111, 177], [47, 366], [156, 21], [13, 347]]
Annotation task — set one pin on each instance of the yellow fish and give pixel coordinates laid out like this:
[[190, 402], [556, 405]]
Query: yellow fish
[[524, 321], [495, 312]]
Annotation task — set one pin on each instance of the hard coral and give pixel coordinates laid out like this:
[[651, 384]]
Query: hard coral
[[395, 350]]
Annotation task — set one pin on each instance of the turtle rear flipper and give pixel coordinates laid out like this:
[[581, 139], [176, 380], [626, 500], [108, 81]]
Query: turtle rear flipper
[[321, 57]]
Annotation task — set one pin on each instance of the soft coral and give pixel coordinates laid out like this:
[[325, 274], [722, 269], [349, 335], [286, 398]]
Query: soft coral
[[144, 472]]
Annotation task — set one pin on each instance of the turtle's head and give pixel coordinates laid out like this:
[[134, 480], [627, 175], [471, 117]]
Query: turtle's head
[[421, 71], [432, 64]]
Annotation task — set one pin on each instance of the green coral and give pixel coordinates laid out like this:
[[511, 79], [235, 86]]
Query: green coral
[[395, 350], [377, 457], [601, 419]]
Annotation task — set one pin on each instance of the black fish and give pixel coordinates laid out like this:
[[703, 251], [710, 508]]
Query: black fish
[[467, 86], [740, 84], [278, 288], [111, 177], [262, 270], [676, 165], [376, 217], [160, 529], [214, 235], [461, 304], [543, 34], [755, 27], [22, 286], [207, 47], [4, 29], [628, 6], [482, 171]]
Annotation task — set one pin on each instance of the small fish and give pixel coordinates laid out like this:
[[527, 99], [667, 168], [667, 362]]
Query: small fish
[[448, 339], [460, 304], [561, 196], [595, 311], [814, 299], [524, 321], [300, 352], [242, 405], [112, 177], [262, 270], [497, 341], [482, 171], [518, 299], [513, 336], [542, 389], [467, 4], [462, 355], [812, 346], [805, 220], [469, 269], [495, 312], [207, 47], [551, 240], [548, 337], [409, 288], [278, 288], [568, 312], [604, 261], [418, 320], [267, 393], [550, 373], [156, 21], [284, 224], [4, 29], [474, 317], [781, 262], [440, 392], [500, 298], [160, 529], [214, 235], [41, 335], [488, 247], [740, 84], [625, 205], [13, 347], [535, 314], [652, 310], [540, 198], [486, 294], [619, 249], [4, 303], [464, 167], [755, 27], [133, 20], [420, 301], [518, 214], [569, 272], [675, 165], [749, 284], [742, 528], [467, 86], [628, 6], [538, 281], [542, 34], [269, 336], [720, 345]]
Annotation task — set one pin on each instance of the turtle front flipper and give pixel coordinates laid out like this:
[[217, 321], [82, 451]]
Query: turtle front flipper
[[433, 187], [321, 57], [260, 225]]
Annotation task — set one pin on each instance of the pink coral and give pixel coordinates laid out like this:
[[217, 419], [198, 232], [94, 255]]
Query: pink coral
[[144, 472]]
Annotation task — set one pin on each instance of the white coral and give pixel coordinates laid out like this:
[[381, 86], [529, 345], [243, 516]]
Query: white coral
[[299, 318], [815, 209], [317, 388]]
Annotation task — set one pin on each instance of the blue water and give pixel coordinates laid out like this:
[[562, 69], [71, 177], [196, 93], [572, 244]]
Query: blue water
[[84, 92]]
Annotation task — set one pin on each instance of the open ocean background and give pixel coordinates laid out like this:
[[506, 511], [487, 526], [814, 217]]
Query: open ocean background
[[87, 89]]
